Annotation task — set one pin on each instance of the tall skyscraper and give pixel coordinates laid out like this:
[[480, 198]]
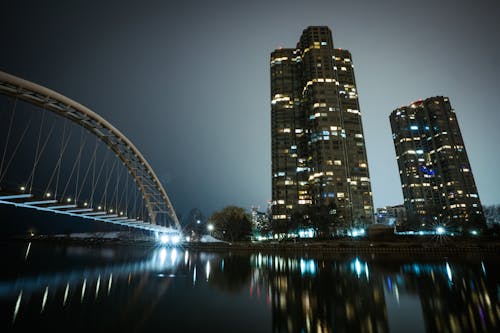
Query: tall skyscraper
[[436, 176], [318, 148]]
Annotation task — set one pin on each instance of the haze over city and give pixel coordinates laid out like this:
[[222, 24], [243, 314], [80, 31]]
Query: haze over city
[[188, 83]]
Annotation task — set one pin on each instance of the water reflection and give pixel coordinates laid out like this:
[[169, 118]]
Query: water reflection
[[153, 288], [350, 294]]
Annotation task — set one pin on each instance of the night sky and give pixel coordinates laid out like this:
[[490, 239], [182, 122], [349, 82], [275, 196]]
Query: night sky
[[188, 83]]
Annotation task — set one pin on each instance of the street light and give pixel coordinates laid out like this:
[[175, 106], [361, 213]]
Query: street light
[[210, 227], [440, 230]]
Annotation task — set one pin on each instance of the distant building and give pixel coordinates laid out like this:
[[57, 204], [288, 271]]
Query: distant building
[[436, 176], [260, 223], [391, 215], [318, 147], [492, 214]]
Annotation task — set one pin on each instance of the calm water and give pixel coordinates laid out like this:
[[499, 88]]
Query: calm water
[[124, 289]]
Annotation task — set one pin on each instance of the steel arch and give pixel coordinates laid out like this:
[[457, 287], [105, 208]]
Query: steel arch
[[155, 196]]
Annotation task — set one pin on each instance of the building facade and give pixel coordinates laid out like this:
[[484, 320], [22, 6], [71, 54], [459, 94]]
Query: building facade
[[392, 215], [436, 176], [318, 148]]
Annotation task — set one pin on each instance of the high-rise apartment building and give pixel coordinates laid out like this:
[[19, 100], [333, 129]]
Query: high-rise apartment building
[[318, 148], [436, 176]]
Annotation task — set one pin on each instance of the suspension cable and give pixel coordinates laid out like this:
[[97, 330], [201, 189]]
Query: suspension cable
[[94, 185], [78, 167], [57, 168], [108, 178], [32, 176], [59, 161], [78, 156], [92, 159], [15, 151], [36, 153], [8, 134]]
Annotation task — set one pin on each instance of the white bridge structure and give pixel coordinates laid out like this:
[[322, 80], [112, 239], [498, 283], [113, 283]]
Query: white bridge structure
[[45, 166]]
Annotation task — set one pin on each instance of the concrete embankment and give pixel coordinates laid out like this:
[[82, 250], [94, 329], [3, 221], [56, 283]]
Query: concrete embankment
[[450, 246], [355, 247]]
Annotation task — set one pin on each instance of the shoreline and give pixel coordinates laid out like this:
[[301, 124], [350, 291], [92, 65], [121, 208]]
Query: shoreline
[[446, 246]]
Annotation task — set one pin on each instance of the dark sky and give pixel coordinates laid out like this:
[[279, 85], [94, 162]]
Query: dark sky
[[188, 83]]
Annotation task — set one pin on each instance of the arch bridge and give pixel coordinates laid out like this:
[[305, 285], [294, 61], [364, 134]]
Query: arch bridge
[[79, 190]]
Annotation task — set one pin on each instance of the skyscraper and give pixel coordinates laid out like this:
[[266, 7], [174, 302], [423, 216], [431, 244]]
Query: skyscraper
[[436, 176], [318, 148]]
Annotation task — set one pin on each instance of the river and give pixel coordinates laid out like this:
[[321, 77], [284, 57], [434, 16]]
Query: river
[[99, 288]]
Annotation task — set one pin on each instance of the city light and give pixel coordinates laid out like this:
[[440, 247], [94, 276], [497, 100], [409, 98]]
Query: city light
[[169, 239], [175, 239], [164, 239], [440, 231], [210, 227], [306, 233], [357, 232]]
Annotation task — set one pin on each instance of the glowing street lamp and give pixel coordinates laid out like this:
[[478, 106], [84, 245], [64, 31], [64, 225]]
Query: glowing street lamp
[[164, 239], [440, 231], [210, 227]]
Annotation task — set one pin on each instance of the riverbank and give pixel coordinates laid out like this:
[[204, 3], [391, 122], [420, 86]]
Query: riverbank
[[402, 246], [359, 246]]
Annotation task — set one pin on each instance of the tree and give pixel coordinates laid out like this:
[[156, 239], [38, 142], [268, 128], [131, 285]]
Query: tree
[[231, 224], [195, 223]]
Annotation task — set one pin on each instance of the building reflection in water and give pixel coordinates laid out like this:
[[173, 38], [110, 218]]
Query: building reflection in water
[[316, 295], [349, 293]]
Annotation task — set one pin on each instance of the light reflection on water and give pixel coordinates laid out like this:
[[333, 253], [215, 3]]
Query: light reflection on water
[[125, 288]]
